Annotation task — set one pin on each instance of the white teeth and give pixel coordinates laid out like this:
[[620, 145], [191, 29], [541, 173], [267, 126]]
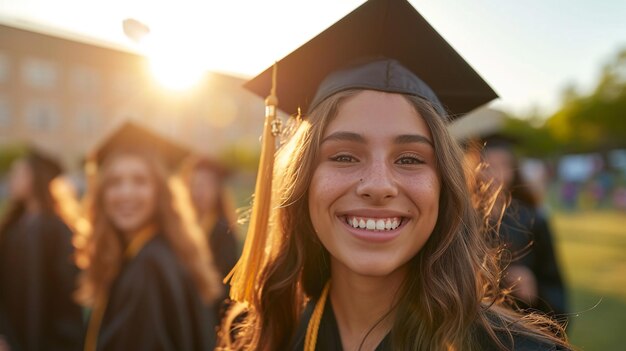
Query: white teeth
[[373, 224], [380, 224]]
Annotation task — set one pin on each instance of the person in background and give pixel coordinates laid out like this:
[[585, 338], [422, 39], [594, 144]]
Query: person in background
[[532, 271], [214, 210], [37, 272], [148, 275], [215, 213]]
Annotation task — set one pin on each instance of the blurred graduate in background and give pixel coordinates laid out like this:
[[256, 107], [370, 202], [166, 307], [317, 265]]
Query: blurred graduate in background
[[533, 273], [37, 273], [148, 275], [215, 212]]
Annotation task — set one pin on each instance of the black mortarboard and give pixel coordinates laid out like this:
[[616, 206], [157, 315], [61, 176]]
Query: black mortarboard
[[131, 136], [498, 140], [48, 164], [403, 54], [42, 160], [209, 163]]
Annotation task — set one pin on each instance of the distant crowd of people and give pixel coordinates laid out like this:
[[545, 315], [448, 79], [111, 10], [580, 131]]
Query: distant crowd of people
[[146, 256]]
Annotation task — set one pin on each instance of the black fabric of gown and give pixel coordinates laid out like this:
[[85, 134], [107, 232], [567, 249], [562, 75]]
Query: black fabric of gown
[[225, 253], [223, 247], [154, 305], [329, 339], [530, 241], [38, 278]]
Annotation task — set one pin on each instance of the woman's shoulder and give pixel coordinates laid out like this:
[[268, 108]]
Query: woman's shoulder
[[154, 267], [156, 253], [517, 341], [513, 336]]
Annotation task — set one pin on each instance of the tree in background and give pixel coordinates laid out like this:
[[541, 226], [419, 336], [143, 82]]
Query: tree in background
[[596, 121], [584, 123]]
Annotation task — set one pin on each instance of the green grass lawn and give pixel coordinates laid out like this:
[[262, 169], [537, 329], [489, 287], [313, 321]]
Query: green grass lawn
[[592, 250]]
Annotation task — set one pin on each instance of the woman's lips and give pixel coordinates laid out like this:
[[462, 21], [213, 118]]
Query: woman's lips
[[374, 229]]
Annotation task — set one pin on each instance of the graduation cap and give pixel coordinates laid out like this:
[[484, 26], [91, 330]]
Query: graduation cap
[[42, 160], [383, 45], [205, 162], [130, 136], [47, 163], [499, 140]]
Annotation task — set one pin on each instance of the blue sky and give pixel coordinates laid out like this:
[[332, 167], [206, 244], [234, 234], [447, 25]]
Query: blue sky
[[527, 50]]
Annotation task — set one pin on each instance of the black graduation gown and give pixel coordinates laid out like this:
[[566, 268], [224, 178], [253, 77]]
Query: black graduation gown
[[223, 247], [38, 278], [328, 338], [154, 305], [529, 239], [225, 255]]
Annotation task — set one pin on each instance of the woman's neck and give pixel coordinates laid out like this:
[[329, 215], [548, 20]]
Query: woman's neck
[[137, 239], [32, 206], [130, 235], [363, 305]]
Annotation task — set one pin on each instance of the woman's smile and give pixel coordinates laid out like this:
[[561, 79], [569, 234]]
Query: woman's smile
[[373, 225]]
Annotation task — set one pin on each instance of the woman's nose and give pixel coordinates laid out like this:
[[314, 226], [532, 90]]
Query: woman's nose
[[377, 183]]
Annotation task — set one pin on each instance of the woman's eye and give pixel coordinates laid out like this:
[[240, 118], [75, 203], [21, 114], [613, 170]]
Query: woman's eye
[[409, 160], [343, 158]]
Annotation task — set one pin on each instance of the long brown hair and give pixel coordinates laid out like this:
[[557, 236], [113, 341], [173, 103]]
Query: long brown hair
[[100, 249], [451, 289]]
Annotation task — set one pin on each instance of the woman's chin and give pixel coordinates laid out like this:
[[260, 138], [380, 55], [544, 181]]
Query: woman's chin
[[371, 268]]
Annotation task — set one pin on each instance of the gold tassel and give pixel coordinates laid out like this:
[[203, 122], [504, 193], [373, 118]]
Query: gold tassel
[[310, 340], [244, 276]]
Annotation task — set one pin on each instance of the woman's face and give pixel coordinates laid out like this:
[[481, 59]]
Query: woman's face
[[130, 193], [374, 196], [500, 166], [203, 186], [20, 180]]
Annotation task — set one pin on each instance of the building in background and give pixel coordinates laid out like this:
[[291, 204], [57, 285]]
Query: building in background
[[63, 93]]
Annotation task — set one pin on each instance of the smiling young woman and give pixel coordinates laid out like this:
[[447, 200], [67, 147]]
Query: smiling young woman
[[148, 275], [372, 241]]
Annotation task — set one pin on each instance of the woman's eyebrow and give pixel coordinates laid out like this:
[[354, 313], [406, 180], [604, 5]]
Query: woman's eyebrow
[[412, 138], [345, 136]]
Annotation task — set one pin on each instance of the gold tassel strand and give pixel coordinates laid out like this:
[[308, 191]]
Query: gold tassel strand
[[310, 340], [245, 274]]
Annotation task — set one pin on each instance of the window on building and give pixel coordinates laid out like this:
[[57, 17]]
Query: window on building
[[42, 116], [87, 118], [4, 68], [5, 113], [40, 73], [85, 80]]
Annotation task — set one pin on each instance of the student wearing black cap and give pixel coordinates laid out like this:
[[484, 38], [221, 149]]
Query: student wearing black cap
[[147, 275], [532, 269], [215, 211], [37, 274], [366, 238]]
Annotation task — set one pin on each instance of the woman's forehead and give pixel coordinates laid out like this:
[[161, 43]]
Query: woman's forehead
[[126, 161], [373, 114]]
